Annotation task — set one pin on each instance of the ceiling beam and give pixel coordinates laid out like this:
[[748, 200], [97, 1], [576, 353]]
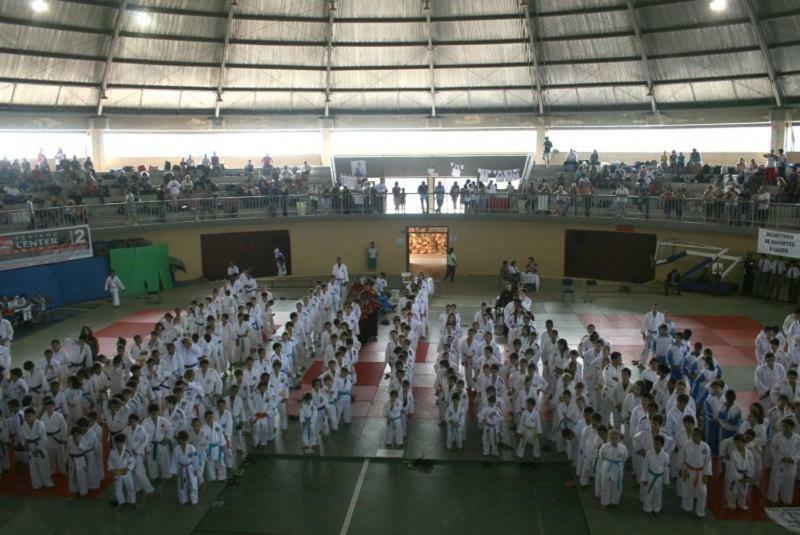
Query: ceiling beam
[[331, 7], [426, 8], [529, 31], [119, 15], [765, 55], [224, 56], [646, 72]]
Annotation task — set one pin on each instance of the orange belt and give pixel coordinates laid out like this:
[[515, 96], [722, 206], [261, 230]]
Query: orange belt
[[697, 473]]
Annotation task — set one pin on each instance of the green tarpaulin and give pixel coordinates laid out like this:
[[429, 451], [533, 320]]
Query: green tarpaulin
[[142, 269]]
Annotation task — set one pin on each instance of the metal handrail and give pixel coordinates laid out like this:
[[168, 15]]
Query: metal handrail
[[706, 212]]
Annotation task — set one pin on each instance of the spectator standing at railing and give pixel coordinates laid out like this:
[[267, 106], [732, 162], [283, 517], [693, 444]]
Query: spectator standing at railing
[[562, 201], [643, 198], [439, 191], [621, 199], [379, 192], [130, 208], [771, 167], [585, 191], [454, 191], [762, 204], [422, 190], [396, 196], [667, 198]]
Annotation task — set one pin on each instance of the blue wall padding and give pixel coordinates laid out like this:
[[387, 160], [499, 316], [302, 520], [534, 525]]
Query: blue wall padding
[[62, 283]]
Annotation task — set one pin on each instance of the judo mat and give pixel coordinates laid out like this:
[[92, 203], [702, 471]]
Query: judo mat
[[313, 495]]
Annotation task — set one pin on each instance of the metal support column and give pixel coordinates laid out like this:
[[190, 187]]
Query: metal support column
[[120, 14], [426, 7], [648, 75], [530, 31], [329, 56], [224, 59], [762, 45]]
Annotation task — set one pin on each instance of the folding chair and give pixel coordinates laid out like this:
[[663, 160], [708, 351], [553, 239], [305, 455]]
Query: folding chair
[[567, 289]]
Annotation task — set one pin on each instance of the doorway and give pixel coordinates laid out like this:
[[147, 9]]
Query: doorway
[[427, 250]]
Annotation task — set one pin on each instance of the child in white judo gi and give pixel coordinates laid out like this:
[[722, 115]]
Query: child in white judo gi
[[308, 423], [185, 465], [491, 417], [655, 475], [610, 468], [393, 412], [344, 395], [739, 474], [695, 473], [529, 428], [216, 469], [121, 462], [137, 442], [455, 418], [407, 399], [157, 451], [77, 450], [263, 410], [785, 452], [33, 437]]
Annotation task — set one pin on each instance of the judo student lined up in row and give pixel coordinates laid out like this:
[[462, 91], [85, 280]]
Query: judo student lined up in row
[[179, 379]]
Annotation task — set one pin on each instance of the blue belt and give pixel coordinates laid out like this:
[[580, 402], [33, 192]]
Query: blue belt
[[655, 477], [220, 452], [616, 464]]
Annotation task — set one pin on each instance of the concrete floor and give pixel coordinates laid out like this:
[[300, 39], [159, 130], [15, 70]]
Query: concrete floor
[[283, 492]]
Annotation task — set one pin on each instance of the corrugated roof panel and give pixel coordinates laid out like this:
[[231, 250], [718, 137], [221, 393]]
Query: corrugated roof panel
[[378, 56], [214, 6], [739, 35], [202, 100], [163, 75], [474, 7], [380, 32], [156, 50], [674, 93], [610, 47], [466, 54], [629, 94], [164, 24], [379, 8], [305, 8], [123, 98], [35, 68], [562, 5], [6, 92], [791, 85], [277, 55], [665, 16], [781, 30], [712, 65], [557, 98], [78, 96], [160, 99], [474, 29], [274, 78], [747, 89], [786, 58], [36, 95], [71, 14], [622, 71], [381, 79], [713, 91], [279, 31], [589, 23], [46, 40], [453, 100], [481, 77]]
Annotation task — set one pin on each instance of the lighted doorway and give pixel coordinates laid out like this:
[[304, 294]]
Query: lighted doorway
[[427, 250]]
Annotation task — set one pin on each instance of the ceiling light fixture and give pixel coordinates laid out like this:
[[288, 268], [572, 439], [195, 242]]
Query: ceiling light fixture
[[718, 5], [39, 6], [142, 18]]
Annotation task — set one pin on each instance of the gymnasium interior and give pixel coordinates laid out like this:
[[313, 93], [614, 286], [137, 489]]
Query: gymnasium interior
[[602, 155]]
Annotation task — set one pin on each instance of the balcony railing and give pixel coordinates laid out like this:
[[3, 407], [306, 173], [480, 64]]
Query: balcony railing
[[719, 213]]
